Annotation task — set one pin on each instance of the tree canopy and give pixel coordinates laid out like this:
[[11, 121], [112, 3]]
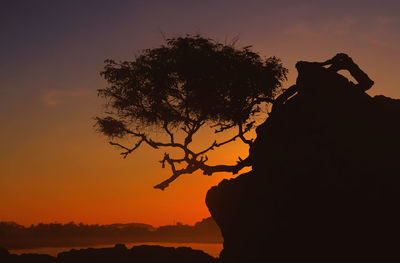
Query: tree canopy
[[183, 85]]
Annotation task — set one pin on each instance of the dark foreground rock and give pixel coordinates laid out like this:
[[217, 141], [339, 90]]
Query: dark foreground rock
[[6, 257], [119, 253], [324, 185]]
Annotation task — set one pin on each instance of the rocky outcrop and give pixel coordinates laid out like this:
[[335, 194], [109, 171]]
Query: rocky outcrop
[[324, 185], [119, 253], [151, 254], [6, 257]]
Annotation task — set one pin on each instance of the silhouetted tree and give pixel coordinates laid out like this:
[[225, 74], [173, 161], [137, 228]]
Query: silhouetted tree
[[188, 83]]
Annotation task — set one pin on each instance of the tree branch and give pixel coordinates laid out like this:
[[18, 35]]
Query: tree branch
[[234, 169], [191, 130], [175, 173], [157, 145], [242, 132], [171, 135], [169, 160], [128, 150], [191, 158], [222, 127], [196, 165], [216, 145], [239, 135]]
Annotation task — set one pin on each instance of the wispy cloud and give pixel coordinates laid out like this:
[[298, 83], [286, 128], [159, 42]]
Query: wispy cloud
[[384, 20], [55, 97], [333, 28], [377, 31]]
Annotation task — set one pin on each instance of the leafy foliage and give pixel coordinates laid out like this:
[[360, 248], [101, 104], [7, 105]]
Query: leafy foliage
[[182, 85]]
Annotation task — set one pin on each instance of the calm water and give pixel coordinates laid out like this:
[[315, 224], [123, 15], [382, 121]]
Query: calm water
[[210, 248]]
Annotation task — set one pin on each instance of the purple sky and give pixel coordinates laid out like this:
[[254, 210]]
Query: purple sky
[[51, 53]]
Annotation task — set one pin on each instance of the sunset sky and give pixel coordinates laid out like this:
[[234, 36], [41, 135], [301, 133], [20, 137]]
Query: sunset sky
[[54, 167]]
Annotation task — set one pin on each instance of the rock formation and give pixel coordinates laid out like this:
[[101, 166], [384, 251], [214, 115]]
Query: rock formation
[[325, 180], [119, 253]]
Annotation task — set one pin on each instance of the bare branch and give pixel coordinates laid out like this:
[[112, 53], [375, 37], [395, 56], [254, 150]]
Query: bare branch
[[168, 159], [234, 169], [128, 150], [239, 135], [194, 165], [157, 145], [175, 173], [222, 127], [166, 183], [154, 144], [191, 130], [216, 145], [171, 135], [242, 132]]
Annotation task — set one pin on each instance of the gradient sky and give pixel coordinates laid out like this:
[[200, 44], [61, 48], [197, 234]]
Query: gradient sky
[[54, 167]]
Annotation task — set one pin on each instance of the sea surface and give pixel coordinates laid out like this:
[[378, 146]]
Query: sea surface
[[212, 249]]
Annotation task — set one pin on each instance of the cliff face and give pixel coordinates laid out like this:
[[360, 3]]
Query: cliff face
[[324, 185]]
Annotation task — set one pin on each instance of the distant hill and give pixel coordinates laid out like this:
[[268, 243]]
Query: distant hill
[[15, 236]]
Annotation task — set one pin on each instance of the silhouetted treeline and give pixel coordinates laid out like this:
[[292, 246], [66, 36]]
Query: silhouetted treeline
[[14, 236]]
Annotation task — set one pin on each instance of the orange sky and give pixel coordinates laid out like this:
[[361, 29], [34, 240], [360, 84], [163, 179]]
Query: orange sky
[[55, 168]]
